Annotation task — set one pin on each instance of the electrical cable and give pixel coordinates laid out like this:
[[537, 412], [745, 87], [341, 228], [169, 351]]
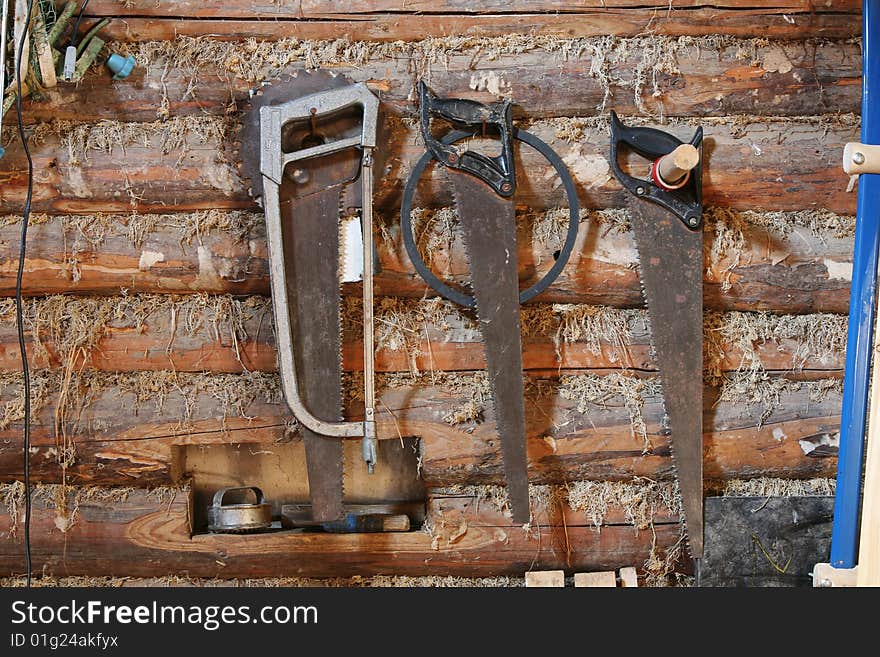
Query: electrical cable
[[74, 36], [70, 53], [19, 314]]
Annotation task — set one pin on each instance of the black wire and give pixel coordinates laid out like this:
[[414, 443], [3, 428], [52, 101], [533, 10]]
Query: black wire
[[74, 37], [19, 314]]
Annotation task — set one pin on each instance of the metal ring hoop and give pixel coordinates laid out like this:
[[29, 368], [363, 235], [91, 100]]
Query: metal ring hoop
[[564, 253]]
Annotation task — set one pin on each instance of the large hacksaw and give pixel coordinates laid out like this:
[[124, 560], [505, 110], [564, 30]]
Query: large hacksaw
[[307, 147]]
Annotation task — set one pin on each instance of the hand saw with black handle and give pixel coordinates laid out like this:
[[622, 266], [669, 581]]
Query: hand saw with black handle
[[483, 188], [307, 147], [666, 216]]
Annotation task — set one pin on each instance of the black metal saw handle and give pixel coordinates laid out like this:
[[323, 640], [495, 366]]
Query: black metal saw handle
[[497, 172], [687, 201]]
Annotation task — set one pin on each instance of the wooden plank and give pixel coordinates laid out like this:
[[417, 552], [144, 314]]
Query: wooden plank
[[765, 541], [629, 577], [21, 30], [804, 271], [120, 440], [545, 579], [183, 165], [604, 579], [43, 50], [825, 575], [552, 78], [143, 536], [869, 533]]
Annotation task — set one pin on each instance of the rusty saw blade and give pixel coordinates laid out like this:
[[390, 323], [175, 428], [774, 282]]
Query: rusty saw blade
[[311, 197], [671, 266], [488, 224], [311, 243]]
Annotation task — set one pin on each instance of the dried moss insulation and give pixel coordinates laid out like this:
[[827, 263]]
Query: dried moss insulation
[[106, 136], [409, 324], [731, 231], [597, 326], [89, 231], [435, 232], [43, 385], [775, 487], [377, 581], [591, 391], [12, 496], [819, 339], [640, 500], [229, 395], [767, 392]]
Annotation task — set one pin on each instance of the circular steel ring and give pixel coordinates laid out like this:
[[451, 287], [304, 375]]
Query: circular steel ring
[[564, 253]]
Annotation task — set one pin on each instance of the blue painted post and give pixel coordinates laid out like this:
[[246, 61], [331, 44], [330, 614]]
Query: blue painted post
[[844, 537]]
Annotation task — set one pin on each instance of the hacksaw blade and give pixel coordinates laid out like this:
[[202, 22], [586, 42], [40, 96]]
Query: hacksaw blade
[[312, 195]]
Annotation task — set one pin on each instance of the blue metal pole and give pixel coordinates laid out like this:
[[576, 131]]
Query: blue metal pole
[[844, 537]]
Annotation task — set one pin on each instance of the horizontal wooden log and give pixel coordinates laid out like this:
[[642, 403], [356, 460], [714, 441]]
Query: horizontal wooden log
[[602, 444], [62, 257], [183, 164], [545, 77], [803, 271], [144, 333], [574, 432], [397, 21], [222, 334], [772, 23], [311, 9], [446, 507], [143, 536]]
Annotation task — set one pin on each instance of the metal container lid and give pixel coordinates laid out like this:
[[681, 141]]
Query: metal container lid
[[242, 516]]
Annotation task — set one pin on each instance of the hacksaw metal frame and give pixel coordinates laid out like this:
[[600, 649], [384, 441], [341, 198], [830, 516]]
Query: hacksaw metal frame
[[273, 161]]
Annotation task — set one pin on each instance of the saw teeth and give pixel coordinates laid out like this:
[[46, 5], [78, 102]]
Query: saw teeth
[[340, 306], [510, 457], [663, 388]]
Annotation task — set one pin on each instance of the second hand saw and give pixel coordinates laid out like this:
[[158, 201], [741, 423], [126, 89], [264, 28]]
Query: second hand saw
[[666, 215], [483, 189], [307, 147]]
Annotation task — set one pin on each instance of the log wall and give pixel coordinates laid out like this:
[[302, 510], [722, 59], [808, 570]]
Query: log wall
[[163, 340]]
